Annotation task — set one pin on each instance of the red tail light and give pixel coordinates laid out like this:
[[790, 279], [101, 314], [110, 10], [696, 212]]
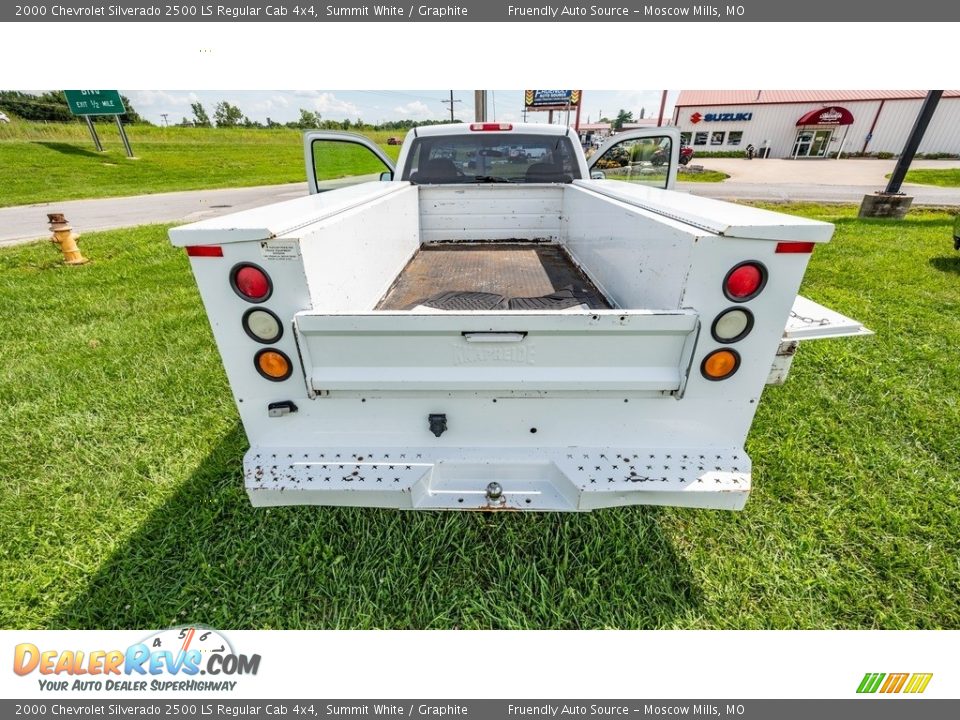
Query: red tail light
[[795, 247], [250, 282], [745, 281], [490, 126], [204, 251]]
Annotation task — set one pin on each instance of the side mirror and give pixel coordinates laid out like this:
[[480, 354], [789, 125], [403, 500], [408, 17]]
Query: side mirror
[[387, 175], [597, 175]]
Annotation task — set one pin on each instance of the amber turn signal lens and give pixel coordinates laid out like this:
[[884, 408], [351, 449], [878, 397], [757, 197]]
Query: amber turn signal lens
[[720, 364], [273, 365]]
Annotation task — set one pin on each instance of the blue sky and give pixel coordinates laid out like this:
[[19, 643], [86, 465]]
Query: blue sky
[[375, 106]]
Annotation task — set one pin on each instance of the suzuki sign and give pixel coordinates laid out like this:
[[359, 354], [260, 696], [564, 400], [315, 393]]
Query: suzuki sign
[[721, 117]]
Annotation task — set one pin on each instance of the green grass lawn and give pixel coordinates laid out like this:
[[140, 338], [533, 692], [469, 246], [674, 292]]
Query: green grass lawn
[[947, 177], [707, 176], [44, 162], [122, 502]]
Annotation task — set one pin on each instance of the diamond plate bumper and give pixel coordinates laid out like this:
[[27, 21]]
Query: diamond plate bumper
[[544, 479]]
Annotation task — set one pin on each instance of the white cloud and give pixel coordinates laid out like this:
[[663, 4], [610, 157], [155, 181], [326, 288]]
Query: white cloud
[[154, 98], [413, 109], [275, 102], [330, 104]]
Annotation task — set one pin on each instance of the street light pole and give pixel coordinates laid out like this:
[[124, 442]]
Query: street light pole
[[913, 142]]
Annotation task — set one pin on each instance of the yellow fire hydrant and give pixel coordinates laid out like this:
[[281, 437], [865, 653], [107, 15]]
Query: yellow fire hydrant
[[66, 238]]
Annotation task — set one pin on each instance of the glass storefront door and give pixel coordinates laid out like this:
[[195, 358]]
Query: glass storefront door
[[812, 143]]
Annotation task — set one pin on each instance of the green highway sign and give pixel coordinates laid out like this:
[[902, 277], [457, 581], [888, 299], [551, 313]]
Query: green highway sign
[[95, 102]]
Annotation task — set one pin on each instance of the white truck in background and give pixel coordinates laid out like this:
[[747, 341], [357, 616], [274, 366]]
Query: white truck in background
[[493, 323]]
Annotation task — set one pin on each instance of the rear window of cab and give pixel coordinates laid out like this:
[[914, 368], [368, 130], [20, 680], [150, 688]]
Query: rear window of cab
[[491, 158]]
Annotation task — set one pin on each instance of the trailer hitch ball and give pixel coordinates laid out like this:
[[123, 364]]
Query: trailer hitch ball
[[494, 491], [438, 423]]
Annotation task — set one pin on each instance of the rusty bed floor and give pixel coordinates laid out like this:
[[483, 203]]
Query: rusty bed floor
[[513, 270]]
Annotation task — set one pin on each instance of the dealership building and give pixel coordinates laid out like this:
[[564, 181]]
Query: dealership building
[[814, 123]]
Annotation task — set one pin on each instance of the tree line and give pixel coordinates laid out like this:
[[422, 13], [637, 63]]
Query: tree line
[[51, 106]]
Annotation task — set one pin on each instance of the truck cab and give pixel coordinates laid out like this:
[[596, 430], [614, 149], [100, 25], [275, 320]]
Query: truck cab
[[469, 328]]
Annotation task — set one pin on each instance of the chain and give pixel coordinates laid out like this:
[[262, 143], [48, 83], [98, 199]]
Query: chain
[[809, 320]]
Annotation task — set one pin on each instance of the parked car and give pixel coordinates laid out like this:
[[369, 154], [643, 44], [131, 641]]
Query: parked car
[[956, 233], [4, 118]]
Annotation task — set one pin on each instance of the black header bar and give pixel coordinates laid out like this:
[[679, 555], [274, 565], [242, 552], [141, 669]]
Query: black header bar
[[627, 11]]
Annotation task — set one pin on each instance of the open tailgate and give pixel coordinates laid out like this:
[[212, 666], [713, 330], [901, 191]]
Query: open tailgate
[[810, 321]]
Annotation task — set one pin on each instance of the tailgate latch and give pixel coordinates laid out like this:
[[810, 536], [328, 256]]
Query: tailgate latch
[[279, 409]]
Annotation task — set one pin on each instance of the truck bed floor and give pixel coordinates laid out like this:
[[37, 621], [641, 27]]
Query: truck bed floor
[[513, 270]]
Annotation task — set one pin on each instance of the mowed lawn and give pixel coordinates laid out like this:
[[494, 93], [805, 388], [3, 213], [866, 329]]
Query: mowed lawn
[[57, 161], [947, 177], [122, 501]]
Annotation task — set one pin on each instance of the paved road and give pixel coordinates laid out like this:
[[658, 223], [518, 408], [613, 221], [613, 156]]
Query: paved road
[[815, 180], [797, 192], [815, 172], [28, 222], [750, 180]]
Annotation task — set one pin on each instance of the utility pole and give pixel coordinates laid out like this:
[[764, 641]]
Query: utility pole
[[164, 116], [479, 105], [451, 101]]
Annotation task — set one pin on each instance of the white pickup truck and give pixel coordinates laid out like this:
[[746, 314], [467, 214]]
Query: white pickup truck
[[495, 323]]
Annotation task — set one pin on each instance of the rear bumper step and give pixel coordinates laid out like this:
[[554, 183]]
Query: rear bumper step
[[537, 479]]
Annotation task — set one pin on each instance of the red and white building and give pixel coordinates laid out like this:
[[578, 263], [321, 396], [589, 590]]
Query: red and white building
[[814, 123]]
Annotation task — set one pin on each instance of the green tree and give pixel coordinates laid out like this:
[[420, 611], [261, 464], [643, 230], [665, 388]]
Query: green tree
[[622, 117], [200, 117], [227, 115], [308, 120], [51, 106]]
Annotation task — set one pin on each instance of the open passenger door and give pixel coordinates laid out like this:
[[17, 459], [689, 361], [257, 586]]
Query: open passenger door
[[647, 157], [340, 159], [810, 321]]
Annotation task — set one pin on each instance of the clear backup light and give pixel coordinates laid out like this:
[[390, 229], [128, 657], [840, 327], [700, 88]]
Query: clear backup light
[[732, 325], [262, 325], [745, 281], [251, 282]]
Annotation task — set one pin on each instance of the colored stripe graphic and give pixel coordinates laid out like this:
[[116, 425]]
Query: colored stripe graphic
[[894, 682], [918, 682], [870, 682]]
